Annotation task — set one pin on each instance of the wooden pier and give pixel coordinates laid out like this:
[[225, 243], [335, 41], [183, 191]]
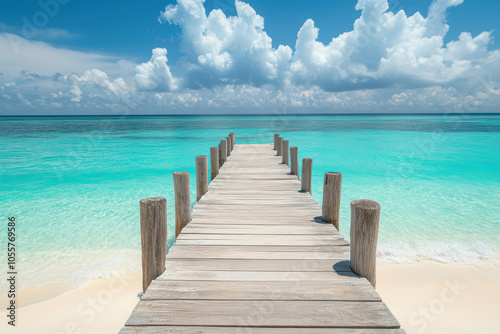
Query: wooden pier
[[257, 257]]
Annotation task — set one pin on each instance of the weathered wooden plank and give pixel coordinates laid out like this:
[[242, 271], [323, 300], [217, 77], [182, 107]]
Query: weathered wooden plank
[[276, 238], [237, 212], [266, 248], [253, 330], [221, 219], [259, 290], [340, 265], [258, 258], [259, 229], [263, 314], [258, 240], [221, 275], [211, 252]]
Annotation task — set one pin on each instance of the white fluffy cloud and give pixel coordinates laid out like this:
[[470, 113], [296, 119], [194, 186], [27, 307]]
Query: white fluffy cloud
[[384, 49], [388, 49], [387, 62], [155, 75], [224, 49]]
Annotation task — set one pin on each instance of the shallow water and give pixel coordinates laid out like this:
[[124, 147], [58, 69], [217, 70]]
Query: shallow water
[[74, 184]]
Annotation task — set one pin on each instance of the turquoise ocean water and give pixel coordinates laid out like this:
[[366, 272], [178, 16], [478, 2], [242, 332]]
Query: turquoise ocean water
[[74, 184]]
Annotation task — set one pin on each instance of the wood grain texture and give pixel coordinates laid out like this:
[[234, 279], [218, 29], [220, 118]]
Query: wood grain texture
[[223, 152], [332, 185], [306, 175], [182, 201], [260, 290], [214, 162], [262, 313], [259, 257], [285, 151], [201, 176], [229, 146], [365, 216], [254, 330], [153, 212], [294, 161]]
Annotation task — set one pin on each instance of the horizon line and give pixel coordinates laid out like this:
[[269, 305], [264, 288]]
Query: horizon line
[[267, 114]]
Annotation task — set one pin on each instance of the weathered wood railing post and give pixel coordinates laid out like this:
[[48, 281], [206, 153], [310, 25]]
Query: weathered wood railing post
[[331, 198], [294, 161], [182, 201], [276, 136], [228, 142], [231, 135], [365, 215], [214, 162], [306, 175], [222, 152], [201, 176], [279, 148], [285, 151], [153, 212]]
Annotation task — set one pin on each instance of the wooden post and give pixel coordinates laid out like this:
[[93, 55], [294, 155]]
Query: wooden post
[[278, 149], [220, 155], [365, 216], [228, 142], [233, 140], [276, 141], [153, 213], [201, 176], [331, 198], [285, 151], [214, 162], [294, 160], [182, 201], [224, 151], [307, 165]]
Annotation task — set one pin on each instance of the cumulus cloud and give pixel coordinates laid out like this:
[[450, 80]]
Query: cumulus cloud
[[155, 75], [387, 62], [227, 50], [384, 49], [387, 49]]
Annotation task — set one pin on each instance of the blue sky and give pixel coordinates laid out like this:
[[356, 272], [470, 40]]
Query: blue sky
[[88, 57]]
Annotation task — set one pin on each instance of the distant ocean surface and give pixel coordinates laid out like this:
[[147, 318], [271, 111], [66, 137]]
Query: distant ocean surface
[[74, 184]]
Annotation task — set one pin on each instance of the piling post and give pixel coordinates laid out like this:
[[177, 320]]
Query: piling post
[[214, 162], [306, 175], [201, 176], [182, 201], [331, 198], [294, 161], [279, 148], [153, 212], [222, 152], [365, 215], [233, 140], [285, 151], [228, 143], [276, 136]]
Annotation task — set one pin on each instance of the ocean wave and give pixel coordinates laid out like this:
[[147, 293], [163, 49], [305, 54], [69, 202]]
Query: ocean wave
[[440, 251]]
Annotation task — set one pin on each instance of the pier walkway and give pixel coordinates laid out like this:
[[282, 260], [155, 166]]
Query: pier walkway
[[257, 258]]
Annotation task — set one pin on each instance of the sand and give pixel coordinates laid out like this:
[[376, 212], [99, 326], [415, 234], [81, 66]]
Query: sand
[[430, 297], [425, 297], [102, 306]]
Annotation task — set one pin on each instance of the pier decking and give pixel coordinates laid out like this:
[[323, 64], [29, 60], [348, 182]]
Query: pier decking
[[257, 258]]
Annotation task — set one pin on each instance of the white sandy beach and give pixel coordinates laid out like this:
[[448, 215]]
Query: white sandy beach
[[426, 297]]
